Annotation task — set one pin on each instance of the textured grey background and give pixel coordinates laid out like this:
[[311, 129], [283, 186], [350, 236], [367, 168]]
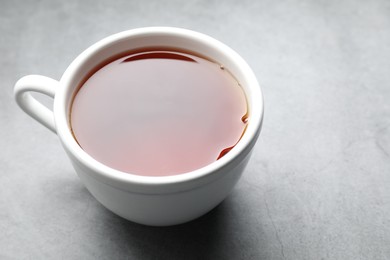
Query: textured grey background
[[318, 185]]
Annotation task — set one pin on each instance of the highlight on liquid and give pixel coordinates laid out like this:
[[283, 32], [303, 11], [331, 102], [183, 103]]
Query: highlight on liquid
[[159, 112]]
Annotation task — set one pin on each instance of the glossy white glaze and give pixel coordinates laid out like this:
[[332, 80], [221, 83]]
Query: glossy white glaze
[[148, 200]]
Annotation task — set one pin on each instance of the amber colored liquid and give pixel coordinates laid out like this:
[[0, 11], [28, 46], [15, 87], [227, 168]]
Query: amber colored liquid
[[159, 112]]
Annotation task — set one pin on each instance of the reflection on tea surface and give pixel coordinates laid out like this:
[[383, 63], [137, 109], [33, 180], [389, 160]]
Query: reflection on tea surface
[[159, 112]]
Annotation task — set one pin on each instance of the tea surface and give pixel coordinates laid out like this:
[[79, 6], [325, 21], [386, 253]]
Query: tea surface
[[158, 113]]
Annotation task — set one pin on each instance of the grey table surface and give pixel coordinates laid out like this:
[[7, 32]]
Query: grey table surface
[[318, 184]]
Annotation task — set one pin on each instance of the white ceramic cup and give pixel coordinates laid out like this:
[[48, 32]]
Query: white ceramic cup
[[157, 201]]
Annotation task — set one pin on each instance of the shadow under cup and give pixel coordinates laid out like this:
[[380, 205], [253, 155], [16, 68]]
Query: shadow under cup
[[164, 200]]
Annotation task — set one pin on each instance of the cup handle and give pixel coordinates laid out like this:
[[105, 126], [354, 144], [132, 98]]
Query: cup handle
[[41, 84]]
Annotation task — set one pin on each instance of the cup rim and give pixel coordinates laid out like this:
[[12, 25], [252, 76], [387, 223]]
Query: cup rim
[[128, 180]]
